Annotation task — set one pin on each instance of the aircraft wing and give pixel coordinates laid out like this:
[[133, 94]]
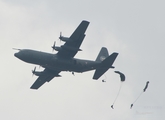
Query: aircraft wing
[[72, 46], [45, 76]]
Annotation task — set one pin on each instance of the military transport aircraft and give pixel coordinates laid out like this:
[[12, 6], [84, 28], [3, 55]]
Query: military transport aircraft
[[64, 59]]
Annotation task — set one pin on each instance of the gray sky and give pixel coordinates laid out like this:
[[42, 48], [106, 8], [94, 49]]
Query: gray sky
[[134, 29]]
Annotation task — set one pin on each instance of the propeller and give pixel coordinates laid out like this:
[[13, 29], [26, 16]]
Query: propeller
[[60, 36], [33, 71], [54, 45]]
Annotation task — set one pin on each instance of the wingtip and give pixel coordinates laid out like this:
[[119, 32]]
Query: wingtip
[[86, 21], [115, 53], [33, 88], [94, 77]]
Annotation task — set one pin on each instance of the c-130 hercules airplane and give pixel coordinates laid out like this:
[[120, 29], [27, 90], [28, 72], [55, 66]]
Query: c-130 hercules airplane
[[64, 59]]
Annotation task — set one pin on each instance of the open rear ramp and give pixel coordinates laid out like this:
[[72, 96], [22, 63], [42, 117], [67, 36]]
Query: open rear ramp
[[105, 65]]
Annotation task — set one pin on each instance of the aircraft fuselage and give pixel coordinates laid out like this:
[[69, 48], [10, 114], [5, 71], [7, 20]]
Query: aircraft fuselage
[[54, 62]]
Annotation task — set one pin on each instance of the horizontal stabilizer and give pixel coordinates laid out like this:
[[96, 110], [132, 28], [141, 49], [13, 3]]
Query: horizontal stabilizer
[[105, 65], [99, 73]]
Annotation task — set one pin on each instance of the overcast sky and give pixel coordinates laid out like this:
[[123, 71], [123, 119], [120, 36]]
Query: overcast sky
[[133, 28]]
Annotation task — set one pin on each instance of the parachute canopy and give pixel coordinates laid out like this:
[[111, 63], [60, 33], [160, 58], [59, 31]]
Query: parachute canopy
[[146, 86], [122, 76]]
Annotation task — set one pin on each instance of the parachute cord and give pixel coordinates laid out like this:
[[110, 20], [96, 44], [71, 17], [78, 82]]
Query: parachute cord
[[140, 93], [104, 80], [138, 97], [105, 77], [117, 93]]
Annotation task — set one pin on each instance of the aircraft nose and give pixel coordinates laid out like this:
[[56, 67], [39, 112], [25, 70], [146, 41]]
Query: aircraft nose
[[16, 55]]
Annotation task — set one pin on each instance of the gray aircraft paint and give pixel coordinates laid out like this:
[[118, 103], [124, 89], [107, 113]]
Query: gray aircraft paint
[[64, 59]]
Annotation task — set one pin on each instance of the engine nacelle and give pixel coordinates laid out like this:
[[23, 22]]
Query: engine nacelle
[[36, 72], [54, 47], [64, 39], [57, 48]]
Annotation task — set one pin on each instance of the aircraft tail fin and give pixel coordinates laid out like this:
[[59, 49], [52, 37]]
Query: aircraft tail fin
[[105, 65], [103, 54]]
